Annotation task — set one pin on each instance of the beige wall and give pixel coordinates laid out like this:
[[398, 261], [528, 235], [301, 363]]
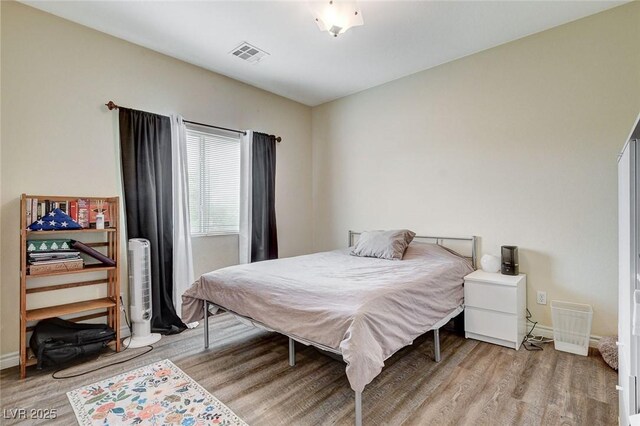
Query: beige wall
[[516, 144], [58, 138]]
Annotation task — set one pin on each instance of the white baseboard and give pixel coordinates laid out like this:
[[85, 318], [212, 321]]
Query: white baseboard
[[547, 332], [13, 358], [9, 360]]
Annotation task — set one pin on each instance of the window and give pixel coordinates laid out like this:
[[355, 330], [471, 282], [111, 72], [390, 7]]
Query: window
[[214, 182]]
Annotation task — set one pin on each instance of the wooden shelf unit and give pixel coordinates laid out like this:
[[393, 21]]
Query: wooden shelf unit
[[109, 305]]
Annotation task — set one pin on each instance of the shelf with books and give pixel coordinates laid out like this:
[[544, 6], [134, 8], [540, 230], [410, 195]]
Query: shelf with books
[[84, 212], [70, 231], [65, 256]]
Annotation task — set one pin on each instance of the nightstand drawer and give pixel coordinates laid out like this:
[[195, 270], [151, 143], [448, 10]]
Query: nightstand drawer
[[490, 296], [493, 324]]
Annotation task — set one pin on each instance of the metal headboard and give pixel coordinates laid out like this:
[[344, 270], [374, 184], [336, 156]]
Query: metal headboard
[[440, 241]]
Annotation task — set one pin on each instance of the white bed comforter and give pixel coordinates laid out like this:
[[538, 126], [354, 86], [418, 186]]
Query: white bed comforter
[[366, 308]]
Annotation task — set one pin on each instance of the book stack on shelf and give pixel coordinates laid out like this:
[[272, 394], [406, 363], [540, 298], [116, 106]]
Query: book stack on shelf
[[81, 210], [42, 262]]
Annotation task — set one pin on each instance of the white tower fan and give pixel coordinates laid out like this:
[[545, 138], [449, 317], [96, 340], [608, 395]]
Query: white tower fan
[[140, 294]]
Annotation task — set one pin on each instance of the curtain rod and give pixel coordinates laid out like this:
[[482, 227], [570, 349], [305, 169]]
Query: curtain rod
[[111, 105]]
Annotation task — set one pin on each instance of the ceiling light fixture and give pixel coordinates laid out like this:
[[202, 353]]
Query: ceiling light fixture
[[337, 16]]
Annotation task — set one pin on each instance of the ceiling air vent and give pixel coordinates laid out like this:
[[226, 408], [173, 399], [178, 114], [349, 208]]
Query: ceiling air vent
[[249, 53]]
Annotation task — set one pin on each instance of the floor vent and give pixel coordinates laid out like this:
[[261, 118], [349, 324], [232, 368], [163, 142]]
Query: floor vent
[[249, 53]]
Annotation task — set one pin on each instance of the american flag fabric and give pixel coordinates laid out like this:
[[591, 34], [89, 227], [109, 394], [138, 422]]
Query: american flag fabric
[[56, 220]]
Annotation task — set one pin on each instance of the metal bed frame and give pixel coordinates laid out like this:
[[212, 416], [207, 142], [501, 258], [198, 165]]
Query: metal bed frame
[[292, 339]]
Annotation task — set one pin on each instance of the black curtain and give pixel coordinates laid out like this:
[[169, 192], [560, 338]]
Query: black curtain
[[145, 150], [264, 238]]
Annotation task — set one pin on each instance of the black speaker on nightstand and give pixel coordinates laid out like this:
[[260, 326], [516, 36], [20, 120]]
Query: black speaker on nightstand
[[510, 264]]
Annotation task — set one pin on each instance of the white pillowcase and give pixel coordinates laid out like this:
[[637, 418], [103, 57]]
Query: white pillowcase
[[383, 244]]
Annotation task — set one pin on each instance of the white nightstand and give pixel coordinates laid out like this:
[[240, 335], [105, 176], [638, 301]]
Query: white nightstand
[[495, 308]]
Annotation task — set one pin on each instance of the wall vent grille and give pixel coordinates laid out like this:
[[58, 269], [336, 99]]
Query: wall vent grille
[[249, 53]]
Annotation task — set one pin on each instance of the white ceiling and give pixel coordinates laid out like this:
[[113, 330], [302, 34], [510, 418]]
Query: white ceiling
[[398, 37]]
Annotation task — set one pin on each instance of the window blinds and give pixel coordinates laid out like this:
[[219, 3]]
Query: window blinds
[[214, 182]]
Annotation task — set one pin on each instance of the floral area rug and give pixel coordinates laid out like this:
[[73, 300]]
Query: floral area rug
[[157, 394]]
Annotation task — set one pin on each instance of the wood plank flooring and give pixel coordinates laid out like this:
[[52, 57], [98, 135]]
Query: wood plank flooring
[[247, 369]]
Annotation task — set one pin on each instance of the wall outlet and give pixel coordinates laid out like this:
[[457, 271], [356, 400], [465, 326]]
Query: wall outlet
[[541, 298]]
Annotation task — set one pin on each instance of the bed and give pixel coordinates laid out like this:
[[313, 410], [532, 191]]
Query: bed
[[363, 309]]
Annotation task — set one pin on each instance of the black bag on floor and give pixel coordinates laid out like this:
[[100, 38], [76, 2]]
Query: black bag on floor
[[56, 341]]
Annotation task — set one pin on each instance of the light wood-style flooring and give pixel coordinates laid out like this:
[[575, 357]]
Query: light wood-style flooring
[[247, 369]]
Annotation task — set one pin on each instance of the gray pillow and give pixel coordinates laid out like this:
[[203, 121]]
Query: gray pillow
[[383, 244]]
